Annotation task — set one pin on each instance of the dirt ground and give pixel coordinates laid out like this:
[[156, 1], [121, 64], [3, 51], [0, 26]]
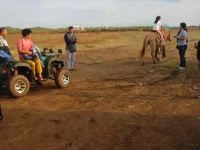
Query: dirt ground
[[113, 103]]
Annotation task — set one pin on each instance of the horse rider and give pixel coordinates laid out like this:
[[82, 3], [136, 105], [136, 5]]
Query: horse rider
[[158, 28]]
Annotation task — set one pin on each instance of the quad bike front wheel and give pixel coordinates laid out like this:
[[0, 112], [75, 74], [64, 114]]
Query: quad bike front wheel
[[63, 78], [19, 86]]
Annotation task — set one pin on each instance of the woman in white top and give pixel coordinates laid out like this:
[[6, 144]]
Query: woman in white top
[[182, 42], [157, 27]]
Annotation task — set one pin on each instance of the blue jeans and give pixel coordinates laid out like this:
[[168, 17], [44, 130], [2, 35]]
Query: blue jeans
[[71, 60], [182, 50]]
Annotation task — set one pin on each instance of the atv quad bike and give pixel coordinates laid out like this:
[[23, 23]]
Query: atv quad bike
[[17, 76]]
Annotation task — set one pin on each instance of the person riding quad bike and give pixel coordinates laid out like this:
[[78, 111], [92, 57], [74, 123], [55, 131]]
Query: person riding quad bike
[[24, 46], [5, 54]]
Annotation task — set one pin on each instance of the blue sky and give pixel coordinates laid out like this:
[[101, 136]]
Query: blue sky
[[58, 13]]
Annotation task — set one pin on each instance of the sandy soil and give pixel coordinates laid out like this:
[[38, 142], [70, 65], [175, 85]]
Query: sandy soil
[[112, 103]]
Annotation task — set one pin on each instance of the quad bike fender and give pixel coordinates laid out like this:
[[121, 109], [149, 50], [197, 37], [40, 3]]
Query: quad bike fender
[[21, 66], [57, 61]]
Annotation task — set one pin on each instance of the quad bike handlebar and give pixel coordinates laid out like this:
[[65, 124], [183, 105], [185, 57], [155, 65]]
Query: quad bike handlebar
[[51, 52]]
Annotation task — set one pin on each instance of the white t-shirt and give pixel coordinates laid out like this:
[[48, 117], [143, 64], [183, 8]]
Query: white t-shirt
[[3, 42], [157, 26]]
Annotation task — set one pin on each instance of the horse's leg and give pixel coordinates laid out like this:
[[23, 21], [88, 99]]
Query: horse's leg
[[158, 53], [153, 52], [145, 45], [164, 51]]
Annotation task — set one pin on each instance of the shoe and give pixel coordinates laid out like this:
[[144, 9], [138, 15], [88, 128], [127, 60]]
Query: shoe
[[182, 68], [40, 78], [35, 78], [198, 96]]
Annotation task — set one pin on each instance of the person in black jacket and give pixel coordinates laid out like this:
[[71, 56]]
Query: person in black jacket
[[71, 42], [197, 46], [1, 114]]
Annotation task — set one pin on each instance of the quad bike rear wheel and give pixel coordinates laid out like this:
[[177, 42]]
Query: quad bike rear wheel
[[63, 78], [19, 86]]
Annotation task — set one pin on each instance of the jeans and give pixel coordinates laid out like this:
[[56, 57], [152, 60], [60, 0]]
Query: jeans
[[71, 60], [182, 50]]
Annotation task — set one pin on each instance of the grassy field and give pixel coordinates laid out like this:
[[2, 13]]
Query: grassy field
[[113, 102]]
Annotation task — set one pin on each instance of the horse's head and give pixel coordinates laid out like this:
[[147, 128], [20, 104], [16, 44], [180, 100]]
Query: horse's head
[[167, 35]]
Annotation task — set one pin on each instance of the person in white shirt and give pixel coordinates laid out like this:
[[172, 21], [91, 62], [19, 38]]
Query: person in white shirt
[[158, 27], [3, 42], [5, 54]]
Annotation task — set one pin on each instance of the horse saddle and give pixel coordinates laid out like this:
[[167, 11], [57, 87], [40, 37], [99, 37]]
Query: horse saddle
[[157, 34]]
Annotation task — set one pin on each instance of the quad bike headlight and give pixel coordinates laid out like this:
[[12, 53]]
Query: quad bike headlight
[[60, 51]]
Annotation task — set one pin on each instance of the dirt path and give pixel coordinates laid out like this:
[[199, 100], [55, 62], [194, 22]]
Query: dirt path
[[112, 103]]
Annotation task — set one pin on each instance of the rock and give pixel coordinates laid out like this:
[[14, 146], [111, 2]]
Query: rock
[[195, 87], [93, 120], [140, 84]]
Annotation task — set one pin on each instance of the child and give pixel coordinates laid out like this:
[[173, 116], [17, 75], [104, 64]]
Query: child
[[71, 41], [158, 27]]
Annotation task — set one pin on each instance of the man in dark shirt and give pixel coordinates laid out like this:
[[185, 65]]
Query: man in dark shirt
[[71, 41]]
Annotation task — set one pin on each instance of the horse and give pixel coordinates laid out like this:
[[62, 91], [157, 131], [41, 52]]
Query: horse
[[153, 39]]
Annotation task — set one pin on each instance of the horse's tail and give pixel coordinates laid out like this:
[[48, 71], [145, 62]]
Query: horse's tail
[[145, 44]]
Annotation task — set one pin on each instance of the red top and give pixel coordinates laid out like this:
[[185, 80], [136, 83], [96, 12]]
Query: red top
[[25, 45]]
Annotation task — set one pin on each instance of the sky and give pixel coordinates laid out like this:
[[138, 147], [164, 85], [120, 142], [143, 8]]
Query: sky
[[61, 13]]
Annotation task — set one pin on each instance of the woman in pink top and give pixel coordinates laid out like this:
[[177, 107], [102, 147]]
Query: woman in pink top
[[24, 45]]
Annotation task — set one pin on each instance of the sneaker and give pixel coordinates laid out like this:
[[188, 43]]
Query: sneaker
[[35, 78], [40, 78]]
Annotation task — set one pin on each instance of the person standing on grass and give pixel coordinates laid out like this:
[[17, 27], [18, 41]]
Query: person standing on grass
[[182, 39], [71, 42]]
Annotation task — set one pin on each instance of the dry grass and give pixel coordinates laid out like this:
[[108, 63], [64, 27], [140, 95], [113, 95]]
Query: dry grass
[[112, 103]]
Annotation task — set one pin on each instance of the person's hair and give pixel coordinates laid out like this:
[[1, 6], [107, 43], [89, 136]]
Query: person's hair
[[26, 32], [2, 29], [71, 27], [158, 18], [184, 26]]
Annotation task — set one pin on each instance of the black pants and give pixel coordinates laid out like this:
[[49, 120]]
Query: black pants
[[182, 50]]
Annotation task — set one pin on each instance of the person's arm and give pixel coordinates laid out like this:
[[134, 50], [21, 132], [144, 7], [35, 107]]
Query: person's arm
[[8, 49], [74, 40], [182, 37], [160, 25], [68, 39], [20, 48]]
